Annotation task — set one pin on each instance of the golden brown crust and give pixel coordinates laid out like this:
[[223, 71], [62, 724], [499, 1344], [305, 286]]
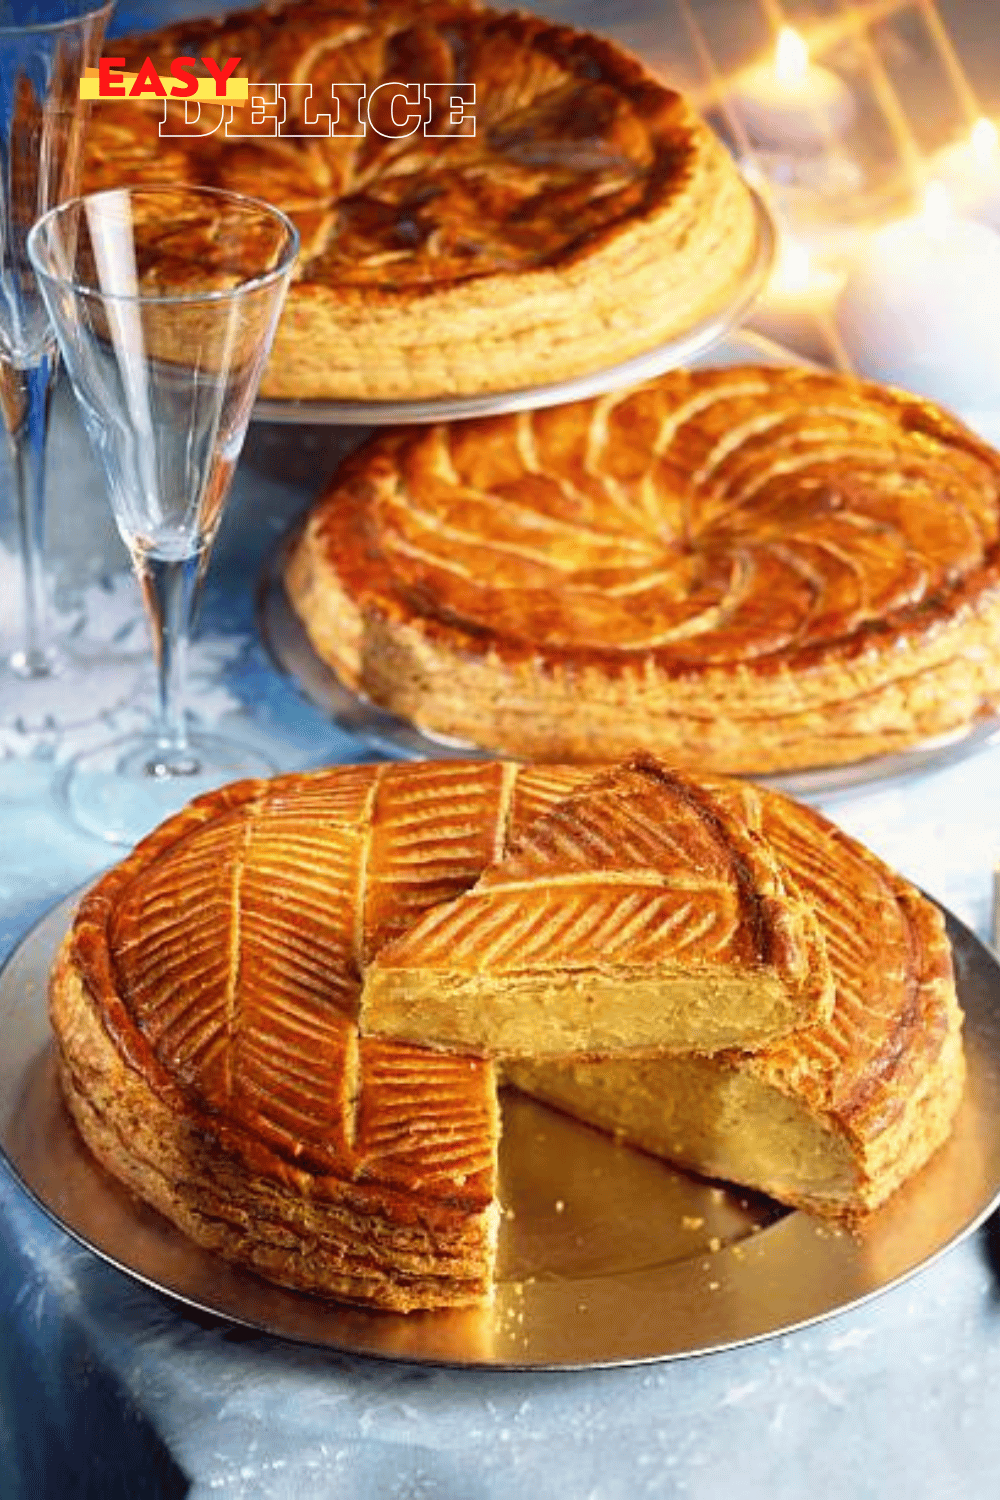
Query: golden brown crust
[[750, 569], [344, 1239], [204, 1010], [219, 961], [590, 217], [895, 1013], [881, 1078], [205, 1006], [895, 1009]]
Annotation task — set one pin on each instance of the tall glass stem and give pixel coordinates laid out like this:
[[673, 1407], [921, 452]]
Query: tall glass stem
[[26, 403], [170, 589]]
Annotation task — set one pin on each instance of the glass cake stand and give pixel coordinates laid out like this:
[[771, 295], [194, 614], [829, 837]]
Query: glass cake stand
[[682, 349]]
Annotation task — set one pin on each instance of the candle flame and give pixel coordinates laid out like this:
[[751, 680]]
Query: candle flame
[[985, 139], [791, 61]]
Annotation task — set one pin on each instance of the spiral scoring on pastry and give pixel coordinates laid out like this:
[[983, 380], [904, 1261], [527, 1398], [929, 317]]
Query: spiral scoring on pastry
[[572, 138], [707, 517]]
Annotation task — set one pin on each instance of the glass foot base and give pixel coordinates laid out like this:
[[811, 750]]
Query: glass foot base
[[123, 790]]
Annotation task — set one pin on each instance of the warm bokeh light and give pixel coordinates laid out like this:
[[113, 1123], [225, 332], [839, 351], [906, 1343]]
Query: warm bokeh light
[[792, 57], [938, 209], [985, 139], [793, 272]]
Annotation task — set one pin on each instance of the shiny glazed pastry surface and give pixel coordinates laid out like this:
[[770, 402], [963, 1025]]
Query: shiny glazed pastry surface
[[481, 261], [205, 1009], [751, 569]]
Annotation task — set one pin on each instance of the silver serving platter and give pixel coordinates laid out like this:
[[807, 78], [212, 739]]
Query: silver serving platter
[[607, 1256], [677, 351]]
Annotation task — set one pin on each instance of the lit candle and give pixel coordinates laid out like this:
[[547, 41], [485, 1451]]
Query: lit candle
[[921, 308], [790, 103], [970, 170]]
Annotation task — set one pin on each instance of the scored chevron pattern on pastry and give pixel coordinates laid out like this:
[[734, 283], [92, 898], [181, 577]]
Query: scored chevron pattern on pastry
[[627, 880], [270, 1036], [170, 941], [629, 869], [253, 1010], [536, 789], [294, 978], [844, 882], [840, 880], [492, 931], [435, 827], [246, 989], [422, 1116], [238, 958]]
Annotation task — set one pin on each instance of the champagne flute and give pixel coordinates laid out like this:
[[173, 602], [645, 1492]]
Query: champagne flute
[[165, 301], [45, 48]]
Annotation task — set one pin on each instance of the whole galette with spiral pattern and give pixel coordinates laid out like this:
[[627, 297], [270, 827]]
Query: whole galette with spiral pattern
[[746, 569], [589, 217]]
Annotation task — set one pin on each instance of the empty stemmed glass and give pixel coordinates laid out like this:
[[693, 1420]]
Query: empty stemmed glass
[[45, 48], [165, 301]]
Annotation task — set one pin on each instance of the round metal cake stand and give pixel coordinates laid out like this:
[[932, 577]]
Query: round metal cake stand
[[677, 351]]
